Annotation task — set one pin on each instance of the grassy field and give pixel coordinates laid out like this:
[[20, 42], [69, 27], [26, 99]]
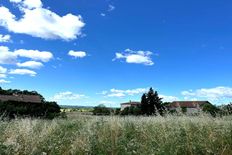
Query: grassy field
[[113, 135]]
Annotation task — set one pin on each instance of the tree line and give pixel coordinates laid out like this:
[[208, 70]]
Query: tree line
[[12, 109]]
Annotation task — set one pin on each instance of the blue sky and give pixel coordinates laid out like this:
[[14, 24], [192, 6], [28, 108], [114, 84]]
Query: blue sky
[[84, 53]]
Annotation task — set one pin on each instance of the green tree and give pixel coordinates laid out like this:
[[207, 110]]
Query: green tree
[[101, 110], [151, 103], [211, 109], [144, 104]]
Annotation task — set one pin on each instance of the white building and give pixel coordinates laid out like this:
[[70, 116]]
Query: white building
[[129, 104]]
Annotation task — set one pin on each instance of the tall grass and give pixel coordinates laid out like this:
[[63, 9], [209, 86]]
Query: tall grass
[[117, 136]]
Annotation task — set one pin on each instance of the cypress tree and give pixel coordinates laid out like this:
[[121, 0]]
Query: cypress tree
[[144, 104], [153, 103]]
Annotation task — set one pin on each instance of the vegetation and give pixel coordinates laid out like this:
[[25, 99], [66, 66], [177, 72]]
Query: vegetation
[[20, 92], [211, 109], [151, 104], [103, 135], [11, 109], [102, 110]]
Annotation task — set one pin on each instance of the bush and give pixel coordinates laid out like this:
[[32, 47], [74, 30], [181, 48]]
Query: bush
[[101, 110], [12, 109], [211, 109], [131, 111]]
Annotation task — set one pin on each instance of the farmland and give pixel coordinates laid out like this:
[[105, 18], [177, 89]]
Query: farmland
[[86, 134]]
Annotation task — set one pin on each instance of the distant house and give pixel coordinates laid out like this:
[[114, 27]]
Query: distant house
[[21, 98], [129, 104], [189, 107]]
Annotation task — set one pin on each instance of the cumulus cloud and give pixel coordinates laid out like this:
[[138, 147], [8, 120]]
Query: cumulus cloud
[[122, 93], [5, 38], [34, 56], [8, 57], [22, 72], [77, 54], [4, 81], [2, 75], [136, 57], [40, 22], [30, 64], [216, 93], [44, 56], [67, 96], [2, 70], [168, 98]]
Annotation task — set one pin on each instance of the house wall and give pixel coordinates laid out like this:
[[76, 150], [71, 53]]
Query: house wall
[[188, 110], [192, 110], [124, 106]]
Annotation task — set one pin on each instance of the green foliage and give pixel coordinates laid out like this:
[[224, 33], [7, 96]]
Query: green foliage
[[101, 110], [133, 110], [227, 109], [183, 109], [151, 103], [12, 109], [211, 109], [117, 111]]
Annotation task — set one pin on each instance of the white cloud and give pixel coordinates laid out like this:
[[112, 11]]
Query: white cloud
[[2, 70], [44, 56], [122, 93], [13, 58], [4, 81], [216, 93], [169, 98], [103, 14], [40, 22], [111, 8], [67, 96], [77, 54], [7, 57], [4, 38], [30, 64], [22, 72], [31, 4], [15, 1], [2, 75], [137, 57]]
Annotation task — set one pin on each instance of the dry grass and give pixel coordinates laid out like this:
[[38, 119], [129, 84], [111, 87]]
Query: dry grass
[[117, 135]]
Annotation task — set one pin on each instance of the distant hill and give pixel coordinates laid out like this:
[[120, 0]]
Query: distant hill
[[76, 107]]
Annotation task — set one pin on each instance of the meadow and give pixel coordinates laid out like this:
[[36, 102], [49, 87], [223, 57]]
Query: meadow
[[115, 135]]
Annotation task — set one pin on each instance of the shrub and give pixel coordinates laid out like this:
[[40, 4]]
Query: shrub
[[101, 110], [133, 110], [12, 109]]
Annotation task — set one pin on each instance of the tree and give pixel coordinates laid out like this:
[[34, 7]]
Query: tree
[[144, 104], [101, 110], [151, 103], [211, 109]]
